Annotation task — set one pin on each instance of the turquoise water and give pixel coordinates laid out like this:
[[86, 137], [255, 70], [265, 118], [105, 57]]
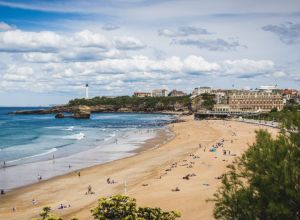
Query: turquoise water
[[27, 142]]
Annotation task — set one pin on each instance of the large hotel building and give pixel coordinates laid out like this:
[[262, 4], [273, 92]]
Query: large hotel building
[[255, 101]]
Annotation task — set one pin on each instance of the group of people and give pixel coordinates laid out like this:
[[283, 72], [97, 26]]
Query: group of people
[[62, 206], [217, 145], [109, 181]]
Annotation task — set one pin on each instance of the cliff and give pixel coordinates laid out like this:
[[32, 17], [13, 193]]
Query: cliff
[[118, 104]]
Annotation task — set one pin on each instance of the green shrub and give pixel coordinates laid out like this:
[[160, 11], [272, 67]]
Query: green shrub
[[264, 182], [124, 208]]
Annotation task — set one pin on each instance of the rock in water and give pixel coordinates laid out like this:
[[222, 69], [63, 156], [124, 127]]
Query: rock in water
[[82, 112], [59, 115]]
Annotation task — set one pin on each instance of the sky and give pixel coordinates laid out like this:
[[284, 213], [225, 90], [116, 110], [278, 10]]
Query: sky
[[49, 49]]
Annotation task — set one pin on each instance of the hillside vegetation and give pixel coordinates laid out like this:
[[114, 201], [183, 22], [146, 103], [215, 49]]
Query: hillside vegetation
[[137, 103]]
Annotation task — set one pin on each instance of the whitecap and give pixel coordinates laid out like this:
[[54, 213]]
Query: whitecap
[[70, 128], [78, 136], [36, 155]]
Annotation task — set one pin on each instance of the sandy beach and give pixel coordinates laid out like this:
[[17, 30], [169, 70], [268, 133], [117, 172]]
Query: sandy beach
[[150, 175]]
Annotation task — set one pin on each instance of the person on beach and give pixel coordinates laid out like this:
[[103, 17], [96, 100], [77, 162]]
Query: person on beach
[[89, 189], [39, 177], [14, 209], [78, 173], [34, 202], [2, 192]]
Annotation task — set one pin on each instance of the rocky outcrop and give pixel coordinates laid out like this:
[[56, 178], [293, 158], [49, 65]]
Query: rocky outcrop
[[59, 115], [82, 112]]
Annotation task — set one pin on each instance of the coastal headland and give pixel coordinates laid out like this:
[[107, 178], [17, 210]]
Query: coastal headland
[[151, 176]]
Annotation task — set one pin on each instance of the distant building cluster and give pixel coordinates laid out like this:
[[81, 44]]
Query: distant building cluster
[[262, 99], [159, 93]]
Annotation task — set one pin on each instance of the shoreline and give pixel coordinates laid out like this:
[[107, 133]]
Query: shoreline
[[147, 167], [162, 132], [148, 145]]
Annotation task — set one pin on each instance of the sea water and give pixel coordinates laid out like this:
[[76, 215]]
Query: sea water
[[40, 145]]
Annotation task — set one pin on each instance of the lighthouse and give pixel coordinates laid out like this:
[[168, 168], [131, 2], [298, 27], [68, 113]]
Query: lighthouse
[[86, 91]]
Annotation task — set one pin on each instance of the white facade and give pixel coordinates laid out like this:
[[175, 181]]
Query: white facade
[[267, 88], [159, 93], [201, 90], [220, 97]]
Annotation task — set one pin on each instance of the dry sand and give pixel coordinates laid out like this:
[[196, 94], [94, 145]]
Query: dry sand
[[145, 174]]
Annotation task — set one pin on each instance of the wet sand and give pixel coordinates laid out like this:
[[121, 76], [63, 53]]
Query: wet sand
[[124, 145], [149, 175]]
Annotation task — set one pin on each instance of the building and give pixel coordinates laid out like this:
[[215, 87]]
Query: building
[[290, 93], [268, 88], [159, 93], [201, 90], [254, 100], [221, 96], [86, 91], [142, 94], [221, 108], [177, 93]]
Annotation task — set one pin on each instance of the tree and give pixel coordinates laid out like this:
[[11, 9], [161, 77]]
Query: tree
[[157, 214], [264, 183], [124, 208], [115, 207], [208, 101], [46, 215]]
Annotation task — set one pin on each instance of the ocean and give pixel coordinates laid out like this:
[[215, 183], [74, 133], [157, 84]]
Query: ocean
[[40, 145]]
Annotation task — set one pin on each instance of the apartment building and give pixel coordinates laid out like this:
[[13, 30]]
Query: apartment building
[[255, 100], [159, 93]]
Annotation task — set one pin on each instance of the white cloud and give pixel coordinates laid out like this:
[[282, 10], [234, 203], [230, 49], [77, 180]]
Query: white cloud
[[128, 43], [80, 43], [246, 66], [209, 44], [279, 74], [183, 31], [49, 61], [20, 41], [5, 27], [288, 33], [15, 73], [110, 27], [199, 64], [88, 39], [40, 57], [123, 72]]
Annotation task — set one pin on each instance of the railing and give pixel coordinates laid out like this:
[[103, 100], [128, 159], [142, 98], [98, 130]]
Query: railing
[[272, 124]]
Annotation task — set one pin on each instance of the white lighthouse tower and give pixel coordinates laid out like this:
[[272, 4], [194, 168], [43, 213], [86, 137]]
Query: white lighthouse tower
[[86, 91]]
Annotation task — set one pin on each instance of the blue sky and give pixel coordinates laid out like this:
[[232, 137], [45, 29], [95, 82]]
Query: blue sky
[[49, 48]]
